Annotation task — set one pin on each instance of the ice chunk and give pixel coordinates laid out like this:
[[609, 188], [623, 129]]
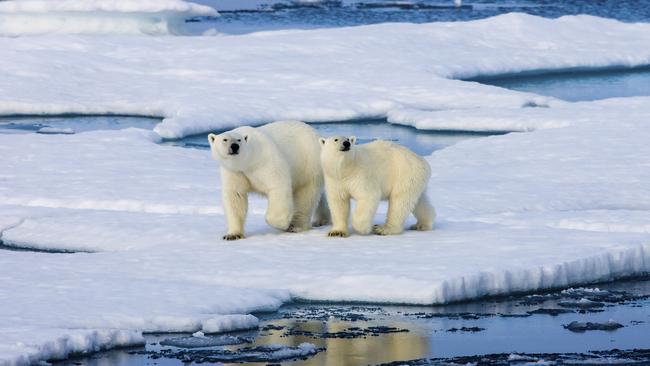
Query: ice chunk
[[55, 131], [203, 341], [325, 75], [150, 17], [228, 323], [576, 326]]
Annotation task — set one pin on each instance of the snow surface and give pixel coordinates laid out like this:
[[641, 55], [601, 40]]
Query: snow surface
[[550, 208], [555, 207], [205, 83], [148, 17]]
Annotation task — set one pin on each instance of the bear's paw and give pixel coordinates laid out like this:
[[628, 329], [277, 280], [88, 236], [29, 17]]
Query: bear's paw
[[338, 234], [230, 237], [420, 227], [383, 230]]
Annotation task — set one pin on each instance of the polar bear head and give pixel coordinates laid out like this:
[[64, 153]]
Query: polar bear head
[[338, 145], [231, 148]]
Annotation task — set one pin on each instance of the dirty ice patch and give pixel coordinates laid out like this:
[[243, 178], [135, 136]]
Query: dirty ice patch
[[200, 84], [98, 17]]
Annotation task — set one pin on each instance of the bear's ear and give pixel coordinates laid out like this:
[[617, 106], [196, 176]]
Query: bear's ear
[[322, 141], [353, 139], [212, 138]]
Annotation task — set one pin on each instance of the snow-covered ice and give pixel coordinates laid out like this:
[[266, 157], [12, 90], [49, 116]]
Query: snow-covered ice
[[549, 208], [136, 17], [565, 204], [204, 83]]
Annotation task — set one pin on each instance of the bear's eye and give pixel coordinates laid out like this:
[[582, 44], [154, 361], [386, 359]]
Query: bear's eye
[[225, 140], [336, 140], [238, 140]]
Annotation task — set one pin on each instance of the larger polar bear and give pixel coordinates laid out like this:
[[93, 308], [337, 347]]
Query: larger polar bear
[[280, 160], [370, 173]]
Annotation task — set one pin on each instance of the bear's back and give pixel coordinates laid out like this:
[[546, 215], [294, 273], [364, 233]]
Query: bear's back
[[299, 145], [400, 159]]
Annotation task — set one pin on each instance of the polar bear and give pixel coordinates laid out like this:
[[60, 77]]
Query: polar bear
[[281, 161], [369, 173]]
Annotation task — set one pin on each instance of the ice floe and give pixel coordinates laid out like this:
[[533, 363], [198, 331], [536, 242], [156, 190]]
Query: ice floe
[[154, 212], [205, 83], [556, 207], [97, 17]]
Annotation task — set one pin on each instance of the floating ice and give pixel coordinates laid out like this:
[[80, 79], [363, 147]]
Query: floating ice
[[203, 341], [144, 17], [551, 208], [576, 326], [228, 323], [54, 131], [319, 75]]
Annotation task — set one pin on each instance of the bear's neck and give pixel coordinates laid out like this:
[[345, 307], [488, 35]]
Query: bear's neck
[[342, 165]]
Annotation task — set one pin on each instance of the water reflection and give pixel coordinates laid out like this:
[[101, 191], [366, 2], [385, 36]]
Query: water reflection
[[371, 349], [501, 325]]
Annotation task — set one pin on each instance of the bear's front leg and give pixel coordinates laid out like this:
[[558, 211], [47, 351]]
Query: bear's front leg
[[339, 204], [234, 195], [235, 206], [364, 213], [280, 210], [305, 200]]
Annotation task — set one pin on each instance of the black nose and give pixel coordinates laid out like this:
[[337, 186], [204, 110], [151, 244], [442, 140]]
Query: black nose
[[346, 143], [234, 147]]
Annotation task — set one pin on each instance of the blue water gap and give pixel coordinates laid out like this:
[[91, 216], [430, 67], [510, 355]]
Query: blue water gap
[[575, 86]]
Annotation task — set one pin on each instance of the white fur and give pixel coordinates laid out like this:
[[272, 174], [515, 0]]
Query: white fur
[[281, 161], [370, 173]]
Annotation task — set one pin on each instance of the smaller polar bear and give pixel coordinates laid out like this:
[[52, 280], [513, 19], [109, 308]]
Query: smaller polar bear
[[281, 161], [370, 173]]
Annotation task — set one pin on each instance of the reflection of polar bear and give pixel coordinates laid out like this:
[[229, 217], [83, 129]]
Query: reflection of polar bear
[[370, 173], [280, 160]]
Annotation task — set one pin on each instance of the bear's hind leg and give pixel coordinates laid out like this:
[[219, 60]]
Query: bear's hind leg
[[322, 215], [425, 213], [304, 202], [399, 208], [280, 210], [363, 215]]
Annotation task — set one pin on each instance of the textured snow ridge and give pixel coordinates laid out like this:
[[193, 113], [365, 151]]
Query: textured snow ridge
[[54, 344], [229, 323], [208, 83], [144, 17], [520, 119]]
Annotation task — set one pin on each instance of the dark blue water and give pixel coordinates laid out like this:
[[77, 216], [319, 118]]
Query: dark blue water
[[350, 13], [422, 142], [579, 86], [496, 327]]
